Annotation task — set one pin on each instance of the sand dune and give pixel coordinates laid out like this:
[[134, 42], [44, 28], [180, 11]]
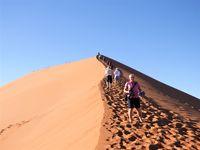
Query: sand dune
[[68, 107], [55, 108], [168, 122], [161, 129]]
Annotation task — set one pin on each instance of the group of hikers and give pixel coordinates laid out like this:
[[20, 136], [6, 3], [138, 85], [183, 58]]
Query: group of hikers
[[131, 89], [109, 76]]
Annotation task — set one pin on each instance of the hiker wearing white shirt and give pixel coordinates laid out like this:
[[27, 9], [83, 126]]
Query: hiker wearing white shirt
[[108, 74], [117, 74]]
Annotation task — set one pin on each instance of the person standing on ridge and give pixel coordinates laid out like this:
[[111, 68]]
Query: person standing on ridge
[[98, 56], [132, 89], [108, 75]]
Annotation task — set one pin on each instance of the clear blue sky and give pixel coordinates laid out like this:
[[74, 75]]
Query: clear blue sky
[[160, 38]]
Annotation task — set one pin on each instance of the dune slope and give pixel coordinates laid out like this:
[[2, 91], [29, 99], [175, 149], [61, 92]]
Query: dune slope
[[55, 108], [170, 117]]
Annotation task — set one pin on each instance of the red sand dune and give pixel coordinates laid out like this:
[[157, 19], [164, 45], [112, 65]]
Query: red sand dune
[[53, 109], [68, 107], [171, 117]]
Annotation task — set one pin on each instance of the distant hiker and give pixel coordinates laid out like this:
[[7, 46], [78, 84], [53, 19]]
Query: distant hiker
[[108, 74], [117, 74], [103, 58], [132, 89], [98, 56], [109, 63]]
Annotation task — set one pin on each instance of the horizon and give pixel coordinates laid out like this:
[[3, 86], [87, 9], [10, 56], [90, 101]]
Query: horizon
[[157, 38]]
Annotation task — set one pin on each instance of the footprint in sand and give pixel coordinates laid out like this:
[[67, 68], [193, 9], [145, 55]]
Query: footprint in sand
[[12, 126], [162, 129]]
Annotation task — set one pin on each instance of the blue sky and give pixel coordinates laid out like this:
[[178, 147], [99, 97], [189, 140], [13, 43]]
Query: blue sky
[[160, 38]]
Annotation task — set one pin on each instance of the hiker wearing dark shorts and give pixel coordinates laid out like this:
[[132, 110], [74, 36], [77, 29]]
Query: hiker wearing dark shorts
[[132, 89], [108, 75]]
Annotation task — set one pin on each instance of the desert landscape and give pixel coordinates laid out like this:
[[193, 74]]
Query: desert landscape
[[53, 109], [68, 107]]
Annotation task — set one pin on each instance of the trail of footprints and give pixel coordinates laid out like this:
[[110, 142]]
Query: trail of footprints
[[11, 126], [161, 129]]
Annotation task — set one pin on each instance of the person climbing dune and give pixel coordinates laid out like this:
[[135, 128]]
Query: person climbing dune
[[117, 75], [108, 75], [132, 90]]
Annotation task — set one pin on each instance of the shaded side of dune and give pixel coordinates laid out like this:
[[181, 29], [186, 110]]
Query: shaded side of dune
[[167, 122], [157, 85]]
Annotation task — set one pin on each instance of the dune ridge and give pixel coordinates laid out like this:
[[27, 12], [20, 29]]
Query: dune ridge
[[151, 84], [161, 129], [69, 107], [168, 123]]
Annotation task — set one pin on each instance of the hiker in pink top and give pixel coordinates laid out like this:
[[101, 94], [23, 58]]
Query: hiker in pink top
[[132, 89]]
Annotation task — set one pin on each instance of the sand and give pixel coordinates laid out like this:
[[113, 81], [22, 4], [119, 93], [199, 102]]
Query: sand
[[53, 109], [69, 107], [168, 123]]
